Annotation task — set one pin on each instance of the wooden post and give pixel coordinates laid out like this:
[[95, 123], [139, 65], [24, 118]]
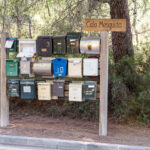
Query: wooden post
[[4, 102], [104, 61]]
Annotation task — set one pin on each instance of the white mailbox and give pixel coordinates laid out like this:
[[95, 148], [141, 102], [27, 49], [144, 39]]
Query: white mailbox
[[75, 92], [75, 67], [44, 91], [27, 48], [25, 66], [90, 66]]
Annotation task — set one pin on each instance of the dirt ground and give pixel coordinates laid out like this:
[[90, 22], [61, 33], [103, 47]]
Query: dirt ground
[[64, 128]]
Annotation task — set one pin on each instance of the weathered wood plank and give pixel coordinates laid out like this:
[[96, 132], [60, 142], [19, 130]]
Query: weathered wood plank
[[103, 114], [4, 102]]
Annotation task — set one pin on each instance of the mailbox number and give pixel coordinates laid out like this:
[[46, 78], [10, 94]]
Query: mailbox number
[[60, 70]]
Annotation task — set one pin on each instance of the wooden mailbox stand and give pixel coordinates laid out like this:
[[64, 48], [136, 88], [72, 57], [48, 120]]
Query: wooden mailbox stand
[[104, 25]]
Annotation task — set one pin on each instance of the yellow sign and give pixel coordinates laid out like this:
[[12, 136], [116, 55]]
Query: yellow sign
[[117, 25]]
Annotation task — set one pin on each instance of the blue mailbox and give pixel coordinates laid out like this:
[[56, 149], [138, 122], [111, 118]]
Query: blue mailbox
[[60, 67]]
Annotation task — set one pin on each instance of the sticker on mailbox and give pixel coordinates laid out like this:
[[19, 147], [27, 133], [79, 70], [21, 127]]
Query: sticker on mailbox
[[27, 89]]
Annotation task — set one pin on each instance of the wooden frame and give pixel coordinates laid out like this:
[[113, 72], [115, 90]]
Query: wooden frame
[[4, 102]]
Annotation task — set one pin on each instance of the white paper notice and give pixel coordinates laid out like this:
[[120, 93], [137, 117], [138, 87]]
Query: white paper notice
[[9, 43], [27, 89]]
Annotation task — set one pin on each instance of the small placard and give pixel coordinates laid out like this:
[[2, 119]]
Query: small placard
[[117, 25], [9, 43]]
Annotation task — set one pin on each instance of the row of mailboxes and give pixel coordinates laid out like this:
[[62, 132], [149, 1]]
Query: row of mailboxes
[[45, 46], [60, 67], [26, 89]]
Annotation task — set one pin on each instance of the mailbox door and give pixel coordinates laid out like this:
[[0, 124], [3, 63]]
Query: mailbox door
[[59, 45], [11, 67], [90, 67], [44, 91], [44, 46], [90, 45], [75, 92], [75, 67], [59, 67], [25, 67], [73, 45], [28, 90], [13, 88], [58, 89], [89, 90]]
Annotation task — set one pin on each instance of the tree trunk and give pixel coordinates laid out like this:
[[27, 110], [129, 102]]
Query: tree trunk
[[121, 41]]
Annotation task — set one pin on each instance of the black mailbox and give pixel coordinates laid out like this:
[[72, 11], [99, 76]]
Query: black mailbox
[[44, 46]]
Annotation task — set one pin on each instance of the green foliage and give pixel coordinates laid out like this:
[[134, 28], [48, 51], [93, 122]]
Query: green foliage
[[130, 87]]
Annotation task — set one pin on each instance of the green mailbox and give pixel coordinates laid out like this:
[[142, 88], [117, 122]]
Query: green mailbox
[[73, 42], [89, 90], [11, 67], [59, 44], [28, 89], [13, 87], [11, 44]]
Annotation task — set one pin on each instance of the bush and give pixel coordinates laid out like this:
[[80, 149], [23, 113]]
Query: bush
[[129, 81]]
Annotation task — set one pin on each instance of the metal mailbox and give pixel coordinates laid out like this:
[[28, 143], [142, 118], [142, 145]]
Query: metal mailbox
[[90, 45], [27, 48], [44, 46], [13, 87], [11, 44], [58, 88], [89, 90], [75, 92], [59, 44], [44, 91], [25, 66], [59, 67], [73, 43], [28, 89], [11, 67], [90, 66], [75, 67], [42, 68]]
